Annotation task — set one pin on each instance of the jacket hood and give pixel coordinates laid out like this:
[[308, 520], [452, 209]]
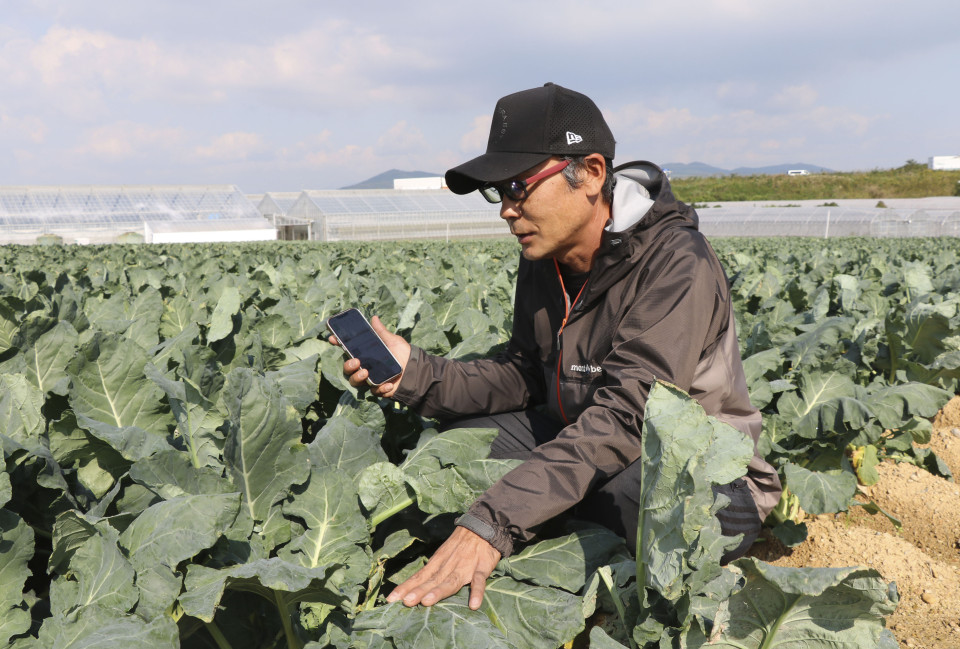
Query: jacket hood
[[643, 209], [642, 185]]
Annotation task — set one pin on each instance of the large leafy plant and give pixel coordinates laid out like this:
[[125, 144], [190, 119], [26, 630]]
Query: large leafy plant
[[848, 354], [184, 465]]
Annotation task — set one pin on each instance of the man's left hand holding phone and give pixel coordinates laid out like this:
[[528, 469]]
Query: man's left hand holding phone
[[351, 331]]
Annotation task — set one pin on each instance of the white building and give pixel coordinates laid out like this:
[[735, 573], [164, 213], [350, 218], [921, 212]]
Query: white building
[[945, 163], [427, 182]]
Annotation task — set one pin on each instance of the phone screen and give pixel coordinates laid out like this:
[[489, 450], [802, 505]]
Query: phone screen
[[359, 339]]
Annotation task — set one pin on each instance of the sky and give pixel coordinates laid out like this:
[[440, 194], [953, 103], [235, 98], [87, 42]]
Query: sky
[[312, 94]]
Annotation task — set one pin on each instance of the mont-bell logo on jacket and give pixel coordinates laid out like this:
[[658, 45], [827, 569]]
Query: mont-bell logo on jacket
[[573, 138], [588, 368]]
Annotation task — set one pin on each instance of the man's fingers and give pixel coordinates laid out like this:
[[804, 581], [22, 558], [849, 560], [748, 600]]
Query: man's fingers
[[399, 347], [384, 390], [401, 591], [381, 329], [462, 559], [433, 590], [438, 579], [355, 374], [477, 587]]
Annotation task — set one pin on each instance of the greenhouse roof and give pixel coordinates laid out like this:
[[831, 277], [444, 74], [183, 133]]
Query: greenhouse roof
[[274, 203], [47, 208]]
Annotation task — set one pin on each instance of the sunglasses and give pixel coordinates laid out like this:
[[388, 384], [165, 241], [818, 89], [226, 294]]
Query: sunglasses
[[516, 190]]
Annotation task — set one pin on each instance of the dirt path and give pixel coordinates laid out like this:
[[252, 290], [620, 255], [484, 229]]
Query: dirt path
[[923, 558]]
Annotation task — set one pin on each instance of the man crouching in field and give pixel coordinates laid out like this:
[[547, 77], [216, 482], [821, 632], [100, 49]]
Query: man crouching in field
[[616, 288]]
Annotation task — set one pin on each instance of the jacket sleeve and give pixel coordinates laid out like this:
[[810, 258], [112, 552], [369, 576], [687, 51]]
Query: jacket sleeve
[[680, 309], [445, 388]]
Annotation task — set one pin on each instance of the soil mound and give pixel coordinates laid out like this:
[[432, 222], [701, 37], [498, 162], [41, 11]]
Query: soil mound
[[922, 557]]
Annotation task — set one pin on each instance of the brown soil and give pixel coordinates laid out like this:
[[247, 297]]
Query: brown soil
[[923, 557]]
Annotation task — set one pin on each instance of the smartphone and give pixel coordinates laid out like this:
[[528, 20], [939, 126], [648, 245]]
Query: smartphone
[[360, 341]]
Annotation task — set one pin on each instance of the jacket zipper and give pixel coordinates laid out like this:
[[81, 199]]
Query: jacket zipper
[[568, 305]]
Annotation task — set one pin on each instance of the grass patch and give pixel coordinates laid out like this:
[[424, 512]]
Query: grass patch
[[912, 180]]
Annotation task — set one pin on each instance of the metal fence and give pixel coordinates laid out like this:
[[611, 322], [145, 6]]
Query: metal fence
[[750, 220], [92, 214]]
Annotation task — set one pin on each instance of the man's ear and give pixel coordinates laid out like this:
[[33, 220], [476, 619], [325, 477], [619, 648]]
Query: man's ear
[[595, 168]]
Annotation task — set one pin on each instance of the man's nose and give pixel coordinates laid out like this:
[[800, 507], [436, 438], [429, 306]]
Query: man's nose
[[509, 209]]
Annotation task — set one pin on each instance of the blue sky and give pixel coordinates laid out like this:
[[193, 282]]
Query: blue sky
[[310, 94]]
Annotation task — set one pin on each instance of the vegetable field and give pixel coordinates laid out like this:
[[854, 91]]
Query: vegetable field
[[185, 466]]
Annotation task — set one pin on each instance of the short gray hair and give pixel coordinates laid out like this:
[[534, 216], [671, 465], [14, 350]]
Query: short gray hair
[[574, 172]]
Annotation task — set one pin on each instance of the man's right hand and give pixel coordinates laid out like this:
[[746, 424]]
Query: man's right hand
[[357, 376]]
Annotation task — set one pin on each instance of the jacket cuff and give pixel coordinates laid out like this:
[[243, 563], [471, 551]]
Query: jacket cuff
[[498, 538], [406, 393]]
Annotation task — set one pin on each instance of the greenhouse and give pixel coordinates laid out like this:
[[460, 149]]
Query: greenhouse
[[339, 215], [274, 204], [197, 213], [106, 214], [275, 207], [910, 218]]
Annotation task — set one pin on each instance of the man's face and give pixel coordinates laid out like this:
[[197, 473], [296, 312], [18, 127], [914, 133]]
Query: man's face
[[551, 222]]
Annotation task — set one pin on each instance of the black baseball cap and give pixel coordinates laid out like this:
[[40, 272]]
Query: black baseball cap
[[529, 127]]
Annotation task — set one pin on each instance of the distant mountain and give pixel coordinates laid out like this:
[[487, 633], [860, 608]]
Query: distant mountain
[[385, 180], [687, 170]]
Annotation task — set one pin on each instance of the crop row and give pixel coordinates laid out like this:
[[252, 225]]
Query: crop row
[[185, 465]]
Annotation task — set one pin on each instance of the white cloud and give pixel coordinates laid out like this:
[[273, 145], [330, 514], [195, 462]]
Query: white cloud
[[739, 9], [119, 89], [335, 62], [817, 120], [838, 120], [737, 93], [306, 146], [770, 145], [743, 137], [401, 138], [124, 140], [319, 151], [475, 140], [637, 119], [22, 129], [448, 160], [349, 156], [232, 147], [793, 98]]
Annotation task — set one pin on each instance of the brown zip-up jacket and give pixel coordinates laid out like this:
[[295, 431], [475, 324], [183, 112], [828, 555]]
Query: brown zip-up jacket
[[656, 305]]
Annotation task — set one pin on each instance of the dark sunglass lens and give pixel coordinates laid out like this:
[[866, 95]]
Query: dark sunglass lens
[[491, 193], [516, 190]]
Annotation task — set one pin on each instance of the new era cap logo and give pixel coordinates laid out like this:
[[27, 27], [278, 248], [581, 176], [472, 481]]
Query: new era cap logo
[[573, 138]]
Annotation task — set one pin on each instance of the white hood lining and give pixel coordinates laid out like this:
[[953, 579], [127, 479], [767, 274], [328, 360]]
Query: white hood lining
[[631, 200]]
